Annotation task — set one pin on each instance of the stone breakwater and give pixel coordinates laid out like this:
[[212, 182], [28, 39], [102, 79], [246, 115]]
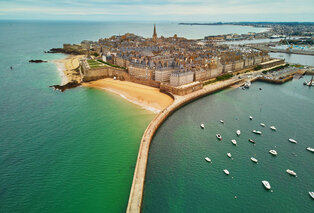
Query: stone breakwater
[[136, 194]]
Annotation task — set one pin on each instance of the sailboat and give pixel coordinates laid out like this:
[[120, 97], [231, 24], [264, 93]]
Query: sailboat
[[309, 83]]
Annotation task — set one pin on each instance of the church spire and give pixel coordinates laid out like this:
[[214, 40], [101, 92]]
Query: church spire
[[155, 34]]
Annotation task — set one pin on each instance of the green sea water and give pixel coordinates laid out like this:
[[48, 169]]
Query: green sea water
[[60, 152], [180, 180]]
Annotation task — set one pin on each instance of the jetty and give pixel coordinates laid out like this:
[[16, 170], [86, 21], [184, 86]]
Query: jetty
[[136, 194]]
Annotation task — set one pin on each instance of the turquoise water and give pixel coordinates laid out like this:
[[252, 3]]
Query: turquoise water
[[180, 180], [60, 152]]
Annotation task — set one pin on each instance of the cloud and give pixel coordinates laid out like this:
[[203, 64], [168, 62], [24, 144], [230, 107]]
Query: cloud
[[156, 10]]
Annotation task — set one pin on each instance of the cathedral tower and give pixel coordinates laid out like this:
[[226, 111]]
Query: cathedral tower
[[154, 34]]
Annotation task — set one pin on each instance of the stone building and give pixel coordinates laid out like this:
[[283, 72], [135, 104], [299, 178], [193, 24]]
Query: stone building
[[180, 78], [141, 72]]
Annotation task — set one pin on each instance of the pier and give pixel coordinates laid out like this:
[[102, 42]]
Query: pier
[[277, 50], [136, 194]]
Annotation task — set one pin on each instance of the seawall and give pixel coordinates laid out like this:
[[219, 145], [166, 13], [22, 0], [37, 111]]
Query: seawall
[[136, 193]]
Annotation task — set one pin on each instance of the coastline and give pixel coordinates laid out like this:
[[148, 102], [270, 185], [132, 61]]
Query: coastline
[[148, 98], [66, 68]]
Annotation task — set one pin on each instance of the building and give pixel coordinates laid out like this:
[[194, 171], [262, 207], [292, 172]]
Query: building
[[180, 78], [154, 34]]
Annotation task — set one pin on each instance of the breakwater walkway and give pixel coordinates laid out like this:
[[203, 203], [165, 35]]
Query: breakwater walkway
[[136, 194]]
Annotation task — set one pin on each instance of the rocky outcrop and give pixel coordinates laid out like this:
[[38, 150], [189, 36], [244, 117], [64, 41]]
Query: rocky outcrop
[[65, 51], [37, 61], [69, 85]]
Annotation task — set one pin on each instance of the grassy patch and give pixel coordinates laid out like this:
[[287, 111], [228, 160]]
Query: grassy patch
[[94, 64], [112, 65], [224, 77]]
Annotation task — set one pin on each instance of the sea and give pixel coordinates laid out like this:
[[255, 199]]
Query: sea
[[76, 151], [180, 180]]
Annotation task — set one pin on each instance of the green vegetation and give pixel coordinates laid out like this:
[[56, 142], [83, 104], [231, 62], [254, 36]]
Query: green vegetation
[[209, 82], [94, 64], [224, 77], [258, 67], [112, 65], [276, 68], [96, 54]]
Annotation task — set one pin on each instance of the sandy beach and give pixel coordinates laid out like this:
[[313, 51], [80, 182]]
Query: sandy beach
[[67, 68], [147, 97]]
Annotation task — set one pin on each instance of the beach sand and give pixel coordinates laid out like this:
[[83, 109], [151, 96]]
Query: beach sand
[[67, 68], [147, 97]]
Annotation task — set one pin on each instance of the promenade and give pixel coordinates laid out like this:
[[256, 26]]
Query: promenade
[[136, 194]]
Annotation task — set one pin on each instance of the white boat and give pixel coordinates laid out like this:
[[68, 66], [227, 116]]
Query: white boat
[[254, 160], [273, 152], [292, 140], [291, 172], [252, 141], [266, 184], [262, 124], [238, 132], [257, 132], [229, 154], [218, 136], [208, 159], [310, 149], [251, 118], [202, 126], [221, 121], [226, 172], [311, 194], [273, 128], [234, 142]]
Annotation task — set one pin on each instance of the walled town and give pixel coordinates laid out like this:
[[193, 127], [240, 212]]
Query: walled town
[[175, 64]]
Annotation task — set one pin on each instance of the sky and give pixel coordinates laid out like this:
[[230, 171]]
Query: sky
[[162, 10]]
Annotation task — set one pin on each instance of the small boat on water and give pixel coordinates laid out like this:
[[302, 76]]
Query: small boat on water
[[221, 121], [234, 142], [262, 124], [202, 126], [238, 132], [273, 152], [273, 128], [257, 132], [291, 172], [310, 149], [247, 85], [218, 136], [266, 184], [292, 140], [229, 155], [226, 172], [251, 118], [208, 159], [254, 160], [252, 141], [311, 194]]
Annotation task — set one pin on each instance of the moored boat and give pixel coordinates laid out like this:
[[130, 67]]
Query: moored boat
[[221, 121], [226, 172], [273, 152], [251, 118], [238, 132], [291, 172], [252, 141], [218, 136], [262, 124], [208, 159], [310, 149], [292, 140], [202, 126], [234, 142], [311, 194], [229, 155], [273, 128], [254, 160], [257, 132], [266, 184]]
